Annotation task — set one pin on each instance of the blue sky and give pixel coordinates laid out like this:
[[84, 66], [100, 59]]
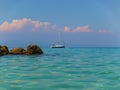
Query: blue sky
[[83, 23]]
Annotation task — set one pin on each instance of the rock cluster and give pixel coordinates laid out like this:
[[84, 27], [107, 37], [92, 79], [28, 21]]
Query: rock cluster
[[31, 49]]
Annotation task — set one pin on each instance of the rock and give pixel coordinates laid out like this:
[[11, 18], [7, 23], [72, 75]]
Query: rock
[[31, 49], [34, 49], [16, 51], [3, 50]]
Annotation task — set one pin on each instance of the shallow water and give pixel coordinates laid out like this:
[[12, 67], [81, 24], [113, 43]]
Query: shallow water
[[62, 69]]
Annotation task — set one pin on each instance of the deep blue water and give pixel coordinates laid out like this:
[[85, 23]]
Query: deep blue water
[[62, 69]]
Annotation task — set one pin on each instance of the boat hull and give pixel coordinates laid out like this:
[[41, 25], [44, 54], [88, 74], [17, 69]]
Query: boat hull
[[57, 46]]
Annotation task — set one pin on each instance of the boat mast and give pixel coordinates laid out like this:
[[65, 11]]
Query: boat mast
[[60, 38]]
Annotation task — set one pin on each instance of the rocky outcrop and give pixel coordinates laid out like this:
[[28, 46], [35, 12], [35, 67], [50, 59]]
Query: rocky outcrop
[[16, 51], [31, 49], [34, 49], [3, 50]]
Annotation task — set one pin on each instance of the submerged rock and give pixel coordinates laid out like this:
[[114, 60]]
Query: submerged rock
[[3, 50], [34, 49], [16, 51]]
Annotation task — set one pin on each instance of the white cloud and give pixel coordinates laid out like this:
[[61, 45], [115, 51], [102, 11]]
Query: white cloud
[[34, 25], [82, 29], [104, 31], [66, 29], [78, 29], [26, 22]]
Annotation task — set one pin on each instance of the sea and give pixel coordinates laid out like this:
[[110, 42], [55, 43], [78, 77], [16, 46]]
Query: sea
[[62, 69]]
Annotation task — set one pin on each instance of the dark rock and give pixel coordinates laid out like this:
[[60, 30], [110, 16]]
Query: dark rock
[[3, 50], [34, 49], [31, 49], [16, 51]]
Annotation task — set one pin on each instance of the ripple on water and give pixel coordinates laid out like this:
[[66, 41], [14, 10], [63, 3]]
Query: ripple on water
[[62, 69]]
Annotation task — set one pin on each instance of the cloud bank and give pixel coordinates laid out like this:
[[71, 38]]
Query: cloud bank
[[20, 24], [78, 29], [34, 25]]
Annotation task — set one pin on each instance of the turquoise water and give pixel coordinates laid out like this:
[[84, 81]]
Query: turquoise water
[[62, 69]]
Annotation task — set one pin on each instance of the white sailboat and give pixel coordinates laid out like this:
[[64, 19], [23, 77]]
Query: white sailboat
[[59, 44]]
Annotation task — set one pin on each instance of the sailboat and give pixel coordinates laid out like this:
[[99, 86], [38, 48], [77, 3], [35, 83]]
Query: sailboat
[[59, 44]]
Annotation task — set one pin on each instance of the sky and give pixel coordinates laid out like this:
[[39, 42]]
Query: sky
[[82, 23]]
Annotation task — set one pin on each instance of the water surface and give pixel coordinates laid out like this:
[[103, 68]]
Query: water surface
[[62, 69]]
